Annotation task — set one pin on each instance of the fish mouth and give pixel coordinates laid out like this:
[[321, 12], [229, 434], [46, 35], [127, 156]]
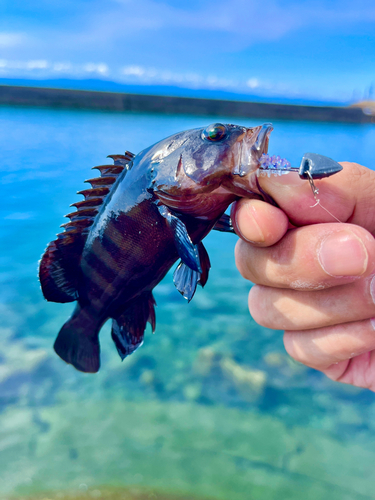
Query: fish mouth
[[253, 145], [261, 144]]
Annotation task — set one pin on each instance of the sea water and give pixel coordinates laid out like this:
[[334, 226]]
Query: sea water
[[210, 406]]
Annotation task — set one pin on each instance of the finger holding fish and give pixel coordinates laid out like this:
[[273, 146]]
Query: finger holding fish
[[258, 222], [296, 310], [358, 370], [347, 196], [261, 224], [320, 348], [310, 258], [318, 277]]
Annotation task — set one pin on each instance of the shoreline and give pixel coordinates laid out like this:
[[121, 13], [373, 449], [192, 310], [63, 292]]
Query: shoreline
[[122, 102]]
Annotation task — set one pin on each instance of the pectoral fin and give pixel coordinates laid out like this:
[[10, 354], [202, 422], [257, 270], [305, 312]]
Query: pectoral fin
[[224, 224], [128, 328], [186, 249], [186, 280]]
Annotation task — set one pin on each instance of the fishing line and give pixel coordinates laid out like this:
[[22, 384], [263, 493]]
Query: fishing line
[[315, 192]]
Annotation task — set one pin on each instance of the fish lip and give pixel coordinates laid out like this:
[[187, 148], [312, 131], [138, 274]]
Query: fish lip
[[251, 150], [261, 144]]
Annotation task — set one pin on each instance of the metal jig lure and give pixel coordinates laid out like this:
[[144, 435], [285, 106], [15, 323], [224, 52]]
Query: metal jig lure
[[313, 166]]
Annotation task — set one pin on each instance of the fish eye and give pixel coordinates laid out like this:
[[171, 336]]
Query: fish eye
[[215, 132]]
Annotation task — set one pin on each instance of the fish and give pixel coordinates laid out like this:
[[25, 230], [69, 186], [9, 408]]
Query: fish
[[140, 216]]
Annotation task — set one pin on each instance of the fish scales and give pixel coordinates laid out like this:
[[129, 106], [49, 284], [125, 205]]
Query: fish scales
[[141, 216]]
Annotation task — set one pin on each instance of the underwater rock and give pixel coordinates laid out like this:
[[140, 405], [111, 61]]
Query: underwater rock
[[147, 377], [192, 391], [16, 358], [206, 359], [275, 359], [249, 382]]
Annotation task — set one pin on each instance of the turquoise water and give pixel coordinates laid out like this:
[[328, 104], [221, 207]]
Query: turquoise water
[[210, 405]]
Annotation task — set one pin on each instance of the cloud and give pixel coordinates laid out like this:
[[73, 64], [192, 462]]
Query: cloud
[[218, 45], [136, 71], [11, 39], [38, 64], [62, 67], [131, 74], [234, 24], [44, 68], [101, 68], [120, 26], [140, 74], [139, 31], [253, 83]]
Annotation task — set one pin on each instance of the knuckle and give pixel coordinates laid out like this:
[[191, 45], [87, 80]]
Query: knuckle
[[241, 258], [292, 348], [361, 177], [256, 305]]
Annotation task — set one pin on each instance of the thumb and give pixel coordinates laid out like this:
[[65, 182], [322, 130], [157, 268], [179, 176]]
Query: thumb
[[348, 196]]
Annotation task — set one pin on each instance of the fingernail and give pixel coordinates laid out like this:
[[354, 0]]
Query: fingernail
[[343, 254], [247, 224], [372, 320]]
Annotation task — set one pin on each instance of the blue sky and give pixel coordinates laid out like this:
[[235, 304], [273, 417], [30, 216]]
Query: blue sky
[[305, 49]]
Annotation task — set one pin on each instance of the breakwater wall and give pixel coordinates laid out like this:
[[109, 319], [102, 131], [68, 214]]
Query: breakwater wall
[[116, 101]]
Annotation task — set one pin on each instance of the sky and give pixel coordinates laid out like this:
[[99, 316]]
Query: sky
[[293, 48]]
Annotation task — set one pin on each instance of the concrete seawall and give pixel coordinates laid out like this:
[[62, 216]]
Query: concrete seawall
[[114, 101]]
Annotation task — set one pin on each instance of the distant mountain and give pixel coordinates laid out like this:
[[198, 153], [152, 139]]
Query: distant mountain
[[109, 86]]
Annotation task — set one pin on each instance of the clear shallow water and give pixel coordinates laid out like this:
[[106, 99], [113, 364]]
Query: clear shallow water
[[210, 406]]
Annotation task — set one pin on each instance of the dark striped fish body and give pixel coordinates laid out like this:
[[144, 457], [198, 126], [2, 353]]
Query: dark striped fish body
[[143, 214]]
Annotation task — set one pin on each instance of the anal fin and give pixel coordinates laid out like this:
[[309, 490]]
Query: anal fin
[[128, 328]]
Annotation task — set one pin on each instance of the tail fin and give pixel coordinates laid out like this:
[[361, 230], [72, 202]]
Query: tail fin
[[77, 342]]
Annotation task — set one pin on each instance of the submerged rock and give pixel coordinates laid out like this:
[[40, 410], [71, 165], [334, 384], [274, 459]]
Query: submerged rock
[[275, 359], [249, 382]]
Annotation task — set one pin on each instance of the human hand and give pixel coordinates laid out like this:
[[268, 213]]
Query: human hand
[[315, 278]]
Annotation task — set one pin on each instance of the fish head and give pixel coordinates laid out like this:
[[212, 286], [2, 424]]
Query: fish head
[[201, 160], [227, 151]]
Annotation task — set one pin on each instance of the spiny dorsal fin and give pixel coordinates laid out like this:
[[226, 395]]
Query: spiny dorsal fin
[[87, 209], [102, 181], [59, 266], [94, 192], [122, 160], [91, 202], [108, 170], [83, 213]]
